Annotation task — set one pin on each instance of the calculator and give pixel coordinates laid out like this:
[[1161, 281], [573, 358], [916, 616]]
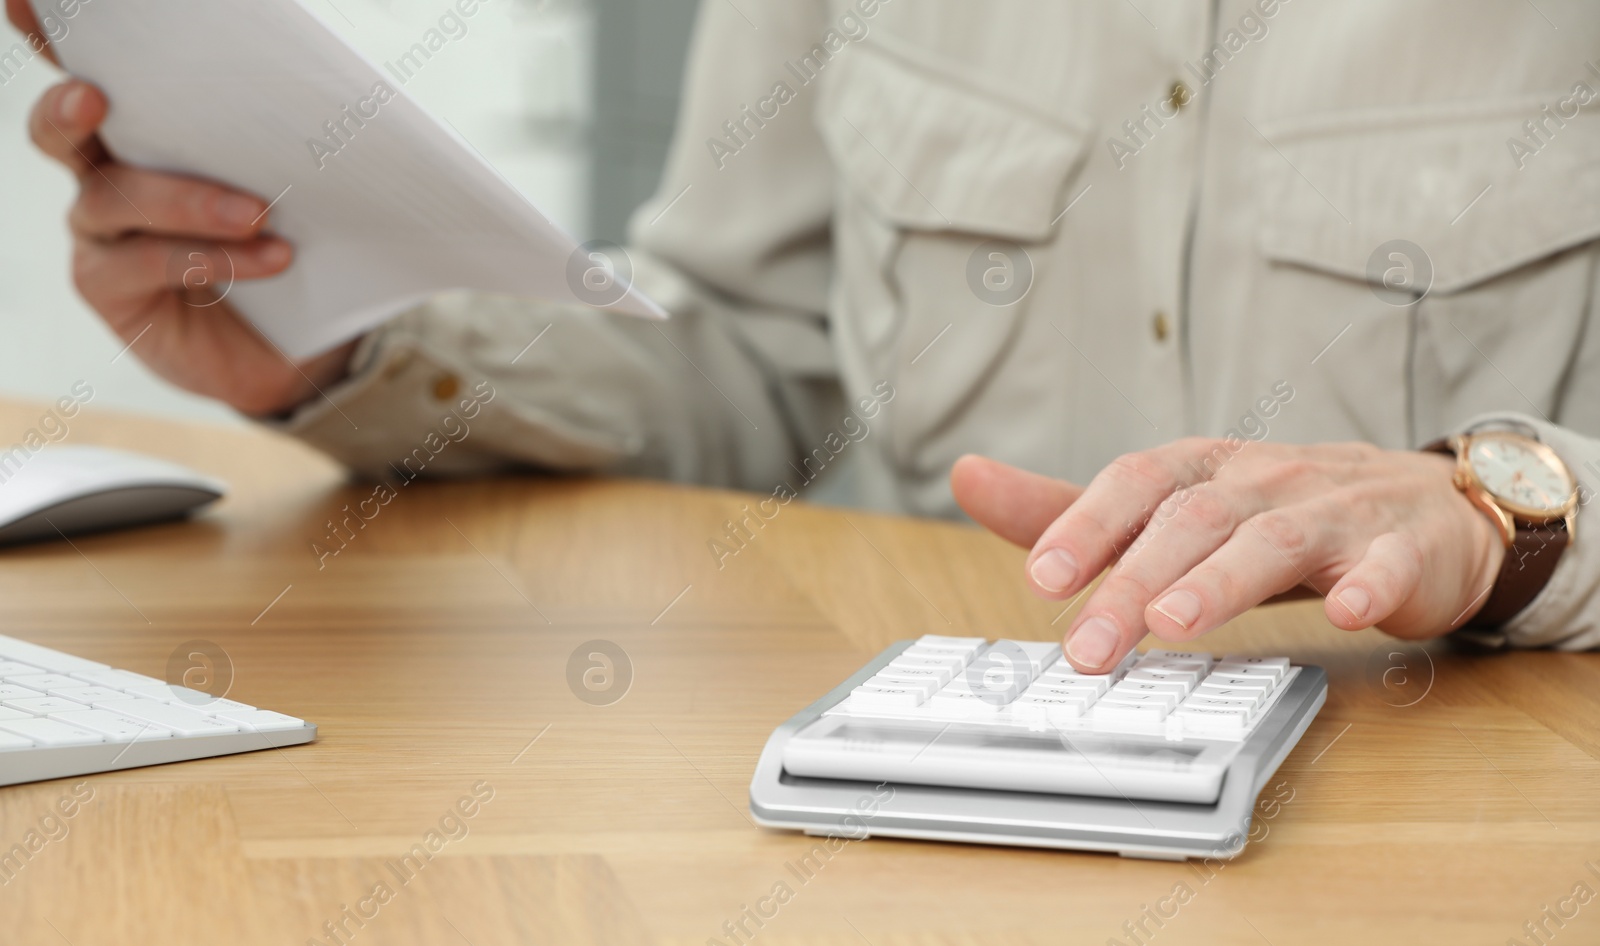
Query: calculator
[[1004, 742]]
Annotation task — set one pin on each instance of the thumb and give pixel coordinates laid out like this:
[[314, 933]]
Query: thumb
[[1013, 504]]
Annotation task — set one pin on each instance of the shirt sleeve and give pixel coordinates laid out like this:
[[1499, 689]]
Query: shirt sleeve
[[1566, 613], [734, 246]]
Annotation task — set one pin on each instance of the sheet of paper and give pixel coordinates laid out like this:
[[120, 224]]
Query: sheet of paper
[[384, 204]]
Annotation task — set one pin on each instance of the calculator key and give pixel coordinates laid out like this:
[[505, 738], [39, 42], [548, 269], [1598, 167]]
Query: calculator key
[[1039, 654], [969, 644], [1240, 681], [12, 668], [1176, 691], [262, 720], [1140, 698], [10, 740], [10, 691], [45, 705], [1031, 709], [1183, 656], [884, 698], [1212, 722], [1277, 666], [115, 679], [7, 712], [87, 694], [43, 681], [1063, 691], [1205, 702], [959, 657], [962, 704], [114, 726], [181, 720], [52, 661], [1109, 712], [48, 732], [1075, 681], [925, 685], [1252, 694], [1187, 679]]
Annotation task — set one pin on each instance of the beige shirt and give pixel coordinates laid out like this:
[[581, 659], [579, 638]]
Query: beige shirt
[[1051, 232]]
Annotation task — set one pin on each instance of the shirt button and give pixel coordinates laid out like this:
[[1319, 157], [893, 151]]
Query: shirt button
[[1161, 326], [446, 387], [1178, 96]]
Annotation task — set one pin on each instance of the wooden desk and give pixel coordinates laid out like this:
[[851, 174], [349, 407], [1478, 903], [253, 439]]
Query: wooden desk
[[433, 654]]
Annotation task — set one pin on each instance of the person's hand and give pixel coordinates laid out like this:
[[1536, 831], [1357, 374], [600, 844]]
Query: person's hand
[[1195, 534], [154, 255]]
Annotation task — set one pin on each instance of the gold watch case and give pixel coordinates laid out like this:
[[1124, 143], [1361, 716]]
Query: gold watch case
[[1505, 512]]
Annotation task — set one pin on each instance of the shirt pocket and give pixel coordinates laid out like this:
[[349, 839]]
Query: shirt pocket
[[932, 170], [1468, 264]]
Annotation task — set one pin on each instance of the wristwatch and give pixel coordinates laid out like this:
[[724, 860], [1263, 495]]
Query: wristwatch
[[1530, 496]]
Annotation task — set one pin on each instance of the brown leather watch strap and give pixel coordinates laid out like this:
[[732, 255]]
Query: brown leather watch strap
[[1530, 561], [1528, 565]]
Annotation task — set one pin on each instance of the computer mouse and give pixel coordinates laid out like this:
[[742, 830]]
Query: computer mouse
[[68, 490]]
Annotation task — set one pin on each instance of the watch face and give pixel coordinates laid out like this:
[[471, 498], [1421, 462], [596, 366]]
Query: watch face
[[1521, 472]]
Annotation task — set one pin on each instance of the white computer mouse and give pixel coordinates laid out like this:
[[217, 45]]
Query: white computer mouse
[[62, 490]]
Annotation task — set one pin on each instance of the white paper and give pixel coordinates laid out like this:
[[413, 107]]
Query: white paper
[[404, 209]]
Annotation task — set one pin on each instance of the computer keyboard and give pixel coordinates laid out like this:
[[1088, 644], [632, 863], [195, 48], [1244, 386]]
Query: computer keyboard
[[62, 715], [1005, 742]]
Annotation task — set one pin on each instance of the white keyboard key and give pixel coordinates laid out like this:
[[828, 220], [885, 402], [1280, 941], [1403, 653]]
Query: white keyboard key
[[1246, 707], [1072, 691], [8, 713], [946, 668], [262, 720], [183, 721], [114, 726], [1098, 685], [1180, 655], [10, 740], [1255, 695], [962, 704], [1033, 710], [48, 732], [1277, 666], [53, 661], [12, 668], [11, 692], [1213, 722], [86, 694], [1187, 679], [1170, 692], [1111, 712], [922, 683], [1241, 681], [43, 681], [115, 679], [884, 698], [1039, 654], [45, 705], [969, 644]]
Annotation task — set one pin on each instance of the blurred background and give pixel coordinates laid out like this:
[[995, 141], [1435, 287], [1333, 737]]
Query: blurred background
[[572, 100]]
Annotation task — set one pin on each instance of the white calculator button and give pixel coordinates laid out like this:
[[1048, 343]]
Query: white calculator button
[[86, 694], [1039, 654], [1047, 709], [114, 726], [1097, 684], [944, 670], [1171, 692], [1205, 702], [115, 679], [885, 698], [887, 680], [12, 668], [970, 644], [962, 704], [1123, 697], [1215, 722], [1253, 694], [48, 732], [11, 692], [1184, 678], [1072, 691], [43, 681], [958, 657], [1240, 681], [1180, 655], [262, 720], [45, 705], [1109, 712], [1277, 666], [179, 719]]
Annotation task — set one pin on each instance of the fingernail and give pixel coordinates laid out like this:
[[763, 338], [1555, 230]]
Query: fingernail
[[273, 253], [1183, 607], [238, 211], [1356, 601], [67, 106], [1092, 644], [1054, 571]]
